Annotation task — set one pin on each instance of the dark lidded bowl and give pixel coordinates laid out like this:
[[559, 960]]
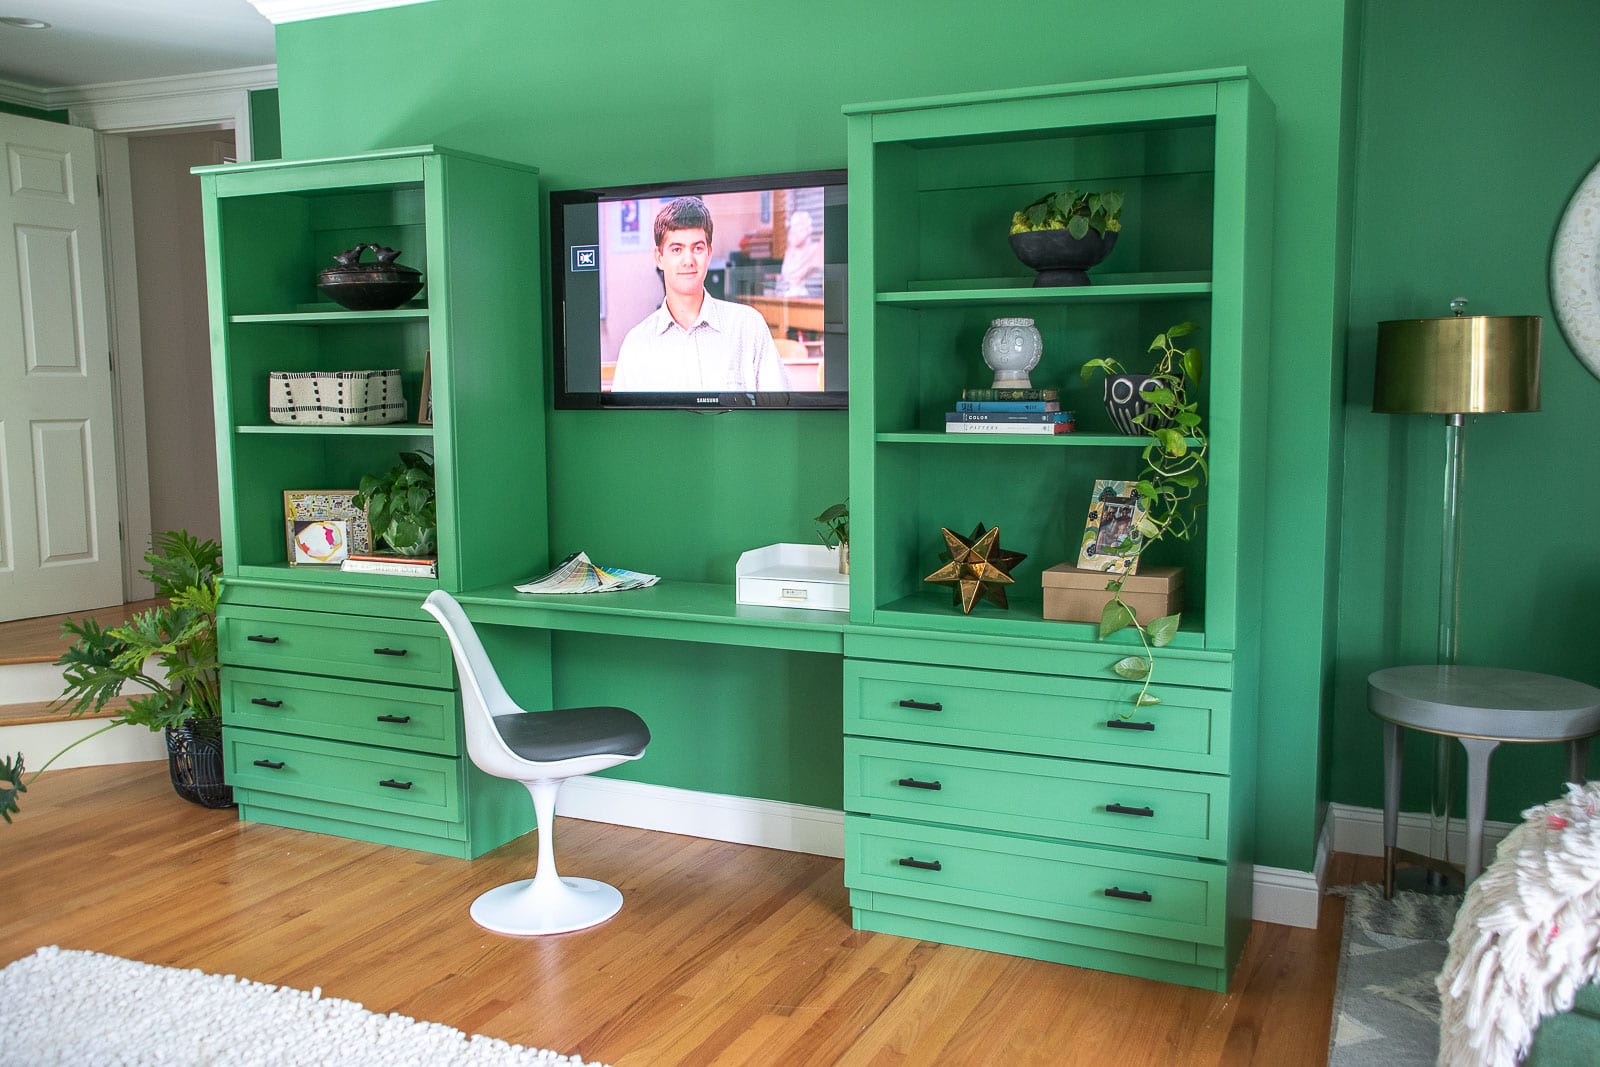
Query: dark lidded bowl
[[369, 286]]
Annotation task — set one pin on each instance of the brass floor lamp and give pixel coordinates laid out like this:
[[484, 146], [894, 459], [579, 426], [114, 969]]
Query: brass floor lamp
[[1456, 366]]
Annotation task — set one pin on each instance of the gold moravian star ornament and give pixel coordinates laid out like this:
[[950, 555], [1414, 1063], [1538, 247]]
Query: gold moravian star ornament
[[978, 568]]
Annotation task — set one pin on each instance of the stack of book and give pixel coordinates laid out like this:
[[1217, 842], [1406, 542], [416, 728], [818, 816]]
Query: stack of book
[[1009, 411], [410, 566]]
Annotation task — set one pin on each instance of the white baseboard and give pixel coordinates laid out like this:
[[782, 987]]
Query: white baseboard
[[743, 820], [38, 741], [1290, 897], [1359, 831]]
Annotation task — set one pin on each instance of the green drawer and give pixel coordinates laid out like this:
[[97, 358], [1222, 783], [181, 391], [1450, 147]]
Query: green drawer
[[1129, 807], [395, 716], [350, 776], [1031, 713], [348, 646], [1156, 896]]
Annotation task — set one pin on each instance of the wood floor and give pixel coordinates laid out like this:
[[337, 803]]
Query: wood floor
[[722, 954]]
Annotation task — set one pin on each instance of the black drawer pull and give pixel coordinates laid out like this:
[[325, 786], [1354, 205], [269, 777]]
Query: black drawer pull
[[269, 765], [394, 718], [922, 705], [392, 784], [1124, 724], [263, 638], [389, 651], [264, 702], [922, 865], [914, 784], [1123, 894], [1119, 809]]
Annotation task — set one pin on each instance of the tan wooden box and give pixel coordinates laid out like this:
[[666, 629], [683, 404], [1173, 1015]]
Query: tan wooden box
[[1072, 594]]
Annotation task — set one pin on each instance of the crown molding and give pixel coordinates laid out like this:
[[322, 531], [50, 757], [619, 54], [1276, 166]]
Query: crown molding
[[281, 11], [24, 96]]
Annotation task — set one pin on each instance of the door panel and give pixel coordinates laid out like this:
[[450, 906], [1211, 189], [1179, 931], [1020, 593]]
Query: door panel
[[59, 548]]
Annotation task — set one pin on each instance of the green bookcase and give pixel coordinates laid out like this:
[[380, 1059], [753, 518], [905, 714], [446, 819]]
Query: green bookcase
[[996, 795], [339, 692]]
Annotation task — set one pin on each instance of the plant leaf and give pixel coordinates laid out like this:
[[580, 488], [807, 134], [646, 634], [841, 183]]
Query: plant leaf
[[1078, 226], [1116, 616], [11, 786], [1193, 364], [1161, 631], [1183, 329], [1133, 668], [1146, 699]]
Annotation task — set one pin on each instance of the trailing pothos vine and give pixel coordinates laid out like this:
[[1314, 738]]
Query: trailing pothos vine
[[1174, 470]]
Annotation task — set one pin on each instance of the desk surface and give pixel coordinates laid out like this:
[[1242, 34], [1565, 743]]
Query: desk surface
[[1486, 702], [683, 611]]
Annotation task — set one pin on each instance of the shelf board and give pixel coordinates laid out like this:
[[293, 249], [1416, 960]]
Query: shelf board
[[1064, 440], [330, 576], [391, 429], [1023, 620], [987, 291], [325, 314]]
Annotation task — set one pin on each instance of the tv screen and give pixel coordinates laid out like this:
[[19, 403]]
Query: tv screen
[[715, 294]]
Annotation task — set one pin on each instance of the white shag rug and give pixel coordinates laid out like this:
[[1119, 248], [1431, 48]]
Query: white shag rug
[[62, 1006], [1527, 936]]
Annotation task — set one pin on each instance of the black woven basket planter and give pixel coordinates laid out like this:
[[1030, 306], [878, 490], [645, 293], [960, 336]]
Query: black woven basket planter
[[194, 757]]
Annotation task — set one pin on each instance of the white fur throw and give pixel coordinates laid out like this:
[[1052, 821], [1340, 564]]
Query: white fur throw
[[1527, 937]]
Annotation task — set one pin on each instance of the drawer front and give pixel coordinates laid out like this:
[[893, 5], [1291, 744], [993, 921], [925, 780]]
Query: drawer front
[[1183, 900], [1128, 807], [395, 716], [1082, 659], [1031, 713], [409, 784], [347, 646]]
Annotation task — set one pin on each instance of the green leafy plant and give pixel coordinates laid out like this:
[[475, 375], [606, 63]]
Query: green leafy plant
[[1072, 210], [402, 506], [833, 525], [1174, 470], [168, 653]]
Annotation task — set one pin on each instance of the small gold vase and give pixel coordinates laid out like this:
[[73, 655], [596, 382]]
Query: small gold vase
[[844, 557]]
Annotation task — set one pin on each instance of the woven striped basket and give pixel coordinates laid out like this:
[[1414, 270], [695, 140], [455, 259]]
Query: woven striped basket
[[350, 398]]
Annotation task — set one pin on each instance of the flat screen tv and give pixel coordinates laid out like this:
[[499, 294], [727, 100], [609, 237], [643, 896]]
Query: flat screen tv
[[716, 294]]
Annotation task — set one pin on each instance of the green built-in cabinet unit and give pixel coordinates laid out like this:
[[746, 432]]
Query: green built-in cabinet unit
[[340, 704], [1002, 791]]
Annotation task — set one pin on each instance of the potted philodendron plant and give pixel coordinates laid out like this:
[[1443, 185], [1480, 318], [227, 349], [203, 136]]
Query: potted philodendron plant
[[402, 506], [1064, 233], [833, 527], [1174, 469], [168, 657]]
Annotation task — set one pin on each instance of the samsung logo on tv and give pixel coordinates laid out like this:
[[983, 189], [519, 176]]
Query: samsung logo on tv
[[708, 400]]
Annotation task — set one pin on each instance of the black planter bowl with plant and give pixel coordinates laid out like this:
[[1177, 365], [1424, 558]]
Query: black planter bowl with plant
[[1060, 258]]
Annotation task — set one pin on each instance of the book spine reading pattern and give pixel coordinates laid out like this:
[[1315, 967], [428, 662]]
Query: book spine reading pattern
[[1009, 427]]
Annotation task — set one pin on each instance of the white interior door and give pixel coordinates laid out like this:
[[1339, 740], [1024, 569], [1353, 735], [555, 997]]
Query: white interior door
[[59, 549]]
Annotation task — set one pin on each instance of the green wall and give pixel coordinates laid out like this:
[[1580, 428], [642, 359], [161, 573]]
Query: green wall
[[1477, 121], [33, 112], [621, 92]]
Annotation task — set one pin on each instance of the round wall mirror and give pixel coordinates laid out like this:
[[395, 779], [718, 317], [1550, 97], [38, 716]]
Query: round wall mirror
[[1575, 272]]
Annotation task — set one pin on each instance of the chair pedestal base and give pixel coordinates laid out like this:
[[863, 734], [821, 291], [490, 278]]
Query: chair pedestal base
[[557, 906]]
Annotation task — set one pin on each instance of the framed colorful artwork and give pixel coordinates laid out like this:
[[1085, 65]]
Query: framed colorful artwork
[[324, 526], [1111, 539]]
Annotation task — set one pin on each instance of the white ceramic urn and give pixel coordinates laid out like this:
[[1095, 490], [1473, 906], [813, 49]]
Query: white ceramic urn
[[1012, 348]]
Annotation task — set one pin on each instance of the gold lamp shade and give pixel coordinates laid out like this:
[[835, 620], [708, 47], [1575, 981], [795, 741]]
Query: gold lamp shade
[[1465, 364]]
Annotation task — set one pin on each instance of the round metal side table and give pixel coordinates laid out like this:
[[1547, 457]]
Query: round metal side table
[[1481, 707]]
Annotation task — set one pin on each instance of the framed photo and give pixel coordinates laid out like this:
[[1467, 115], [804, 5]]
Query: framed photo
[[1111, 540], [324, 526], [425, 402]]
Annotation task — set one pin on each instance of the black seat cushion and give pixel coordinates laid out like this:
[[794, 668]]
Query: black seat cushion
[[566, 733]]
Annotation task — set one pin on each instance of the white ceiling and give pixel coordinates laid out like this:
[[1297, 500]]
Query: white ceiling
[[93, 42]]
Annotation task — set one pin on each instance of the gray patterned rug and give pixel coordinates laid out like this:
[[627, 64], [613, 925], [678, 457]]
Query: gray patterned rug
[[1385, 1008]]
